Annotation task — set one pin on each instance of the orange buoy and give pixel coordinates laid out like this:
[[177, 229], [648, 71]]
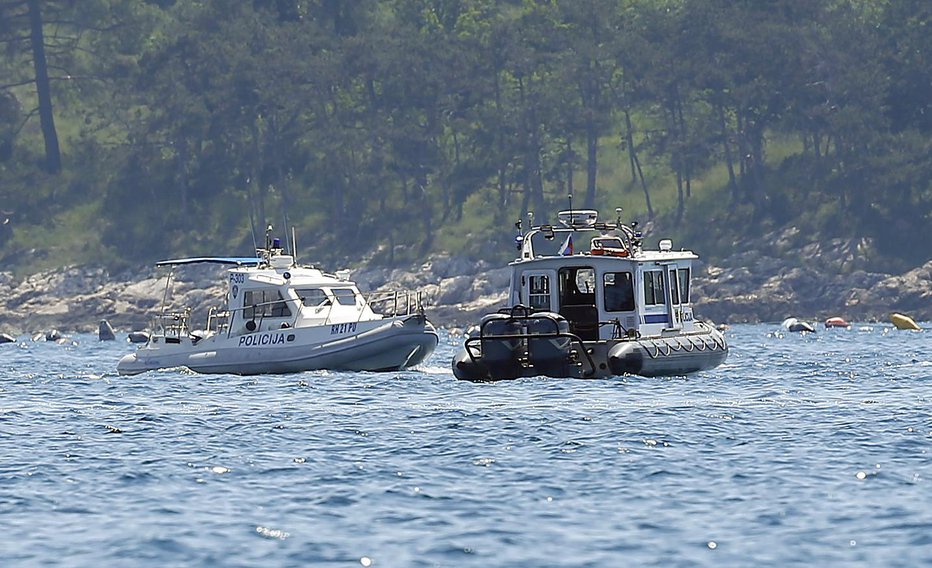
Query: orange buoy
[[836, 322]]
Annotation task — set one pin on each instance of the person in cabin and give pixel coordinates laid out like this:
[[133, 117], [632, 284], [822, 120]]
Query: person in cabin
[[619, 293]]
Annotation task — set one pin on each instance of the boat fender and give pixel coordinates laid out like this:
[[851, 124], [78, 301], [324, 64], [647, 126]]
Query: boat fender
[[626, 358]]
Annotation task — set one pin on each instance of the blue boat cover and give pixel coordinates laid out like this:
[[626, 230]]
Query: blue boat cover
[[238, 261]]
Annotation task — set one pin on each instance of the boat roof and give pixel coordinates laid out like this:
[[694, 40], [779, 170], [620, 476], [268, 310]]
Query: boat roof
[[575, 259], [229, 260]]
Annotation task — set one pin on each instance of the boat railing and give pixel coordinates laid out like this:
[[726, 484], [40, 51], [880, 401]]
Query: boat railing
[[218, 319], [224, 317], [173, 324], [395, 303]]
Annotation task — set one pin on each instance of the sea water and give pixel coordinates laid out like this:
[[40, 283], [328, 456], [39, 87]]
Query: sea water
[[806, 449]]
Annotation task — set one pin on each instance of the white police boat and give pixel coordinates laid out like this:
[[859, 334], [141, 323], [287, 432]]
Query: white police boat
[[611, 308], [284, 318]]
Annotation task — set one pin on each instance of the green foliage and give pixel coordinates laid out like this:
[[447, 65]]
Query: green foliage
[[401, 127]]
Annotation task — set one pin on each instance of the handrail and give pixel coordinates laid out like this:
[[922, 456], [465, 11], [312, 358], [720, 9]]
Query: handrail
[[403, 302]]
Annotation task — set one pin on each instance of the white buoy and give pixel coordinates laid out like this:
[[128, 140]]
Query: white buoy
[[138, 337], [795, 325]]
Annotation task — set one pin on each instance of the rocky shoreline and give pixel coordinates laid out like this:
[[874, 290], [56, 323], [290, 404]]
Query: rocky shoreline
[[755, 285]]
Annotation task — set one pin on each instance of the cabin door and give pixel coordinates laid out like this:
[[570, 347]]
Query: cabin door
[[674, 309], [537, 289]]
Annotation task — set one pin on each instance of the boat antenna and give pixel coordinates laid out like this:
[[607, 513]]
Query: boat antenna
[[285, 225], [294, 246], [570, 197], [252, 225], [519, 238]]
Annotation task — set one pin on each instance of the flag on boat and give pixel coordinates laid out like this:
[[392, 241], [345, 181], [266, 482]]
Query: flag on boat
[[567, 248]]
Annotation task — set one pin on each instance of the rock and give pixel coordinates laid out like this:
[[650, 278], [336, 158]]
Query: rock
[[455, 290], [762, 281], [105, 331]]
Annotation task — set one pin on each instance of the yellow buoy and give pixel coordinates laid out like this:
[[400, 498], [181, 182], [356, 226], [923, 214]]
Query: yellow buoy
[[904, 322]]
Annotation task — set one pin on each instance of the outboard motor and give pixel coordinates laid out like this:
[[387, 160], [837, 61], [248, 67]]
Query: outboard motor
[[500, 356], [549, 355]]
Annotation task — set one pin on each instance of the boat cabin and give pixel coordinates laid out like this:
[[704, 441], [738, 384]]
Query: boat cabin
[[608, 290], [266, 294], [283, 297]]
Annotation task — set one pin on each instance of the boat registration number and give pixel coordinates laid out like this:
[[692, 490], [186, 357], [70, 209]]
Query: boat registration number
[[338, 328]]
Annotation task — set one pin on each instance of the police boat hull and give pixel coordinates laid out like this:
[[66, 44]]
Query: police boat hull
[[509, 347], [368, 346]]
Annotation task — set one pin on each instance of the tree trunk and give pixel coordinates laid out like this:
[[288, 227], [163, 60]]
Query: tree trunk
[[629, 141], [650, 209], [729, 159], [680, 201], [686, 151], [636, 163], [592, 148], [43, 89]]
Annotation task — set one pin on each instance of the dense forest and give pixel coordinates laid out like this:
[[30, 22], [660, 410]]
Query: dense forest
[[131, 130]]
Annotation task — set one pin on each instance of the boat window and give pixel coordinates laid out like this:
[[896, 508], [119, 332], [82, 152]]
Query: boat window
[[344, 296], [684, 285], [265, 303], [539, 291], [619, 291], [653, 288], [674, 287], [312, 297], [577, 286]]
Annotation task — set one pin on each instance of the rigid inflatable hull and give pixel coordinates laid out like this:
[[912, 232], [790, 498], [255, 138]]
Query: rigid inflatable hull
[[668, 356], [390, 346], [649, 357]]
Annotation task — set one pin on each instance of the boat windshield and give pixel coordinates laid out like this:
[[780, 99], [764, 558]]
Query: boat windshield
[[344, 296], [312, 297]]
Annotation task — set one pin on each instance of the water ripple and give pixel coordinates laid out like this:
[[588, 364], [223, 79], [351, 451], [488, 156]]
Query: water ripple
[[802, 449]]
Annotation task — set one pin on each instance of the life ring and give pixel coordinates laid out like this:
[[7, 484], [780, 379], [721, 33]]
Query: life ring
[[599, 251]]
